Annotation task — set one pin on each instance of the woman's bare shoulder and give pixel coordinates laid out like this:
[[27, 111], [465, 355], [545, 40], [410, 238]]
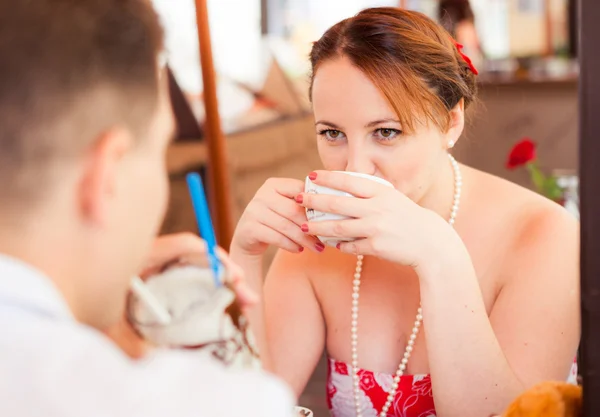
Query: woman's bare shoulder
[[522, 205], [533, 222]]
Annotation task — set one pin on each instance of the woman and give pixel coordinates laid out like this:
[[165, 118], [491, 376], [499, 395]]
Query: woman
[[465, 288]]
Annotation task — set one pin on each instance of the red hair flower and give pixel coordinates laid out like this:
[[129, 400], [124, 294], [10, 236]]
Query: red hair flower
[[521, 154], [465, 57]]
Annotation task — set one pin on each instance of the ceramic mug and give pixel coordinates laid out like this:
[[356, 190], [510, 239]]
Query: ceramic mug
[[318, 216]]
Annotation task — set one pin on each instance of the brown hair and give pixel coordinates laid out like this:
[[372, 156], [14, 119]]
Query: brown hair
[[410, 58], [70, 70]]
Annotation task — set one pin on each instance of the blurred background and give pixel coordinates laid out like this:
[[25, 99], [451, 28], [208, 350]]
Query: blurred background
[[525, 51]]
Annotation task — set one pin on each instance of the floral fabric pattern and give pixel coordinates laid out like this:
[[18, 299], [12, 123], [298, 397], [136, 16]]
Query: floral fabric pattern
[[414, 397]]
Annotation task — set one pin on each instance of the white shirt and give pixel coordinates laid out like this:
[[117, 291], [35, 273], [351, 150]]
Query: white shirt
[[53, 366]]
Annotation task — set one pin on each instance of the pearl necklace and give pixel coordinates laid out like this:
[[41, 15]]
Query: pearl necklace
[[418, 320]]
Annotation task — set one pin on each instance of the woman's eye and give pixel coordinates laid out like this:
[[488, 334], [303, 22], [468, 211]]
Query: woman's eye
[[331, 134], [387, 134]]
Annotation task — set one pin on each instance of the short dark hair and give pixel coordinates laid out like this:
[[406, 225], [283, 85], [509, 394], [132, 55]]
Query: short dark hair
[[70, 69]]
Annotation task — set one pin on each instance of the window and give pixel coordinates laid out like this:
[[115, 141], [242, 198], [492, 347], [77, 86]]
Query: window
[[236, 39]]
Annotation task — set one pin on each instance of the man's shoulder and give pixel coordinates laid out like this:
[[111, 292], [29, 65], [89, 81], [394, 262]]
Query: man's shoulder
[[66, 367], [253, 393]]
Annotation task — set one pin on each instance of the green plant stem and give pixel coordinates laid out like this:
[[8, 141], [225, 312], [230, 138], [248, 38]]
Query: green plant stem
[[545, 185], [537, 176]]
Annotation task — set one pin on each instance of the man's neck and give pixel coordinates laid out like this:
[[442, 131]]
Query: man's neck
[[49, 253]]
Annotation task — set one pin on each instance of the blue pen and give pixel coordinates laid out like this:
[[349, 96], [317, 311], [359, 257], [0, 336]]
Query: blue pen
[[204, 222]]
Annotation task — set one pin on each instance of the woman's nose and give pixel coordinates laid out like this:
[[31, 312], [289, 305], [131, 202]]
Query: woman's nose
[[359, 160]]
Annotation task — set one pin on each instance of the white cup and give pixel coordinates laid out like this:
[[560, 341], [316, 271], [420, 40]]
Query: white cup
[[201, 316], [319, 216]]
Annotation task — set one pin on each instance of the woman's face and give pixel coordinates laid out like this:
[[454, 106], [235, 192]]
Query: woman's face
[[358, 131]]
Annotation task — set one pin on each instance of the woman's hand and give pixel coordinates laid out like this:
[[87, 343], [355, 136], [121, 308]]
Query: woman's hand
[[384, 222], [273, 217]]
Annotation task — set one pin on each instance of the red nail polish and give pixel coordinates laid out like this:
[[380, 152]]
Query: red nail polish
[[299, 198], [312, 176], [301, 249], [304, 228], [320, 247], [338, 246]]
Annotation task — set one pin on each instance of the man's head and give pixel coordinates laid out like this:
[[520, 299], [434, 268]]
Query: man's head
[[84, 124]]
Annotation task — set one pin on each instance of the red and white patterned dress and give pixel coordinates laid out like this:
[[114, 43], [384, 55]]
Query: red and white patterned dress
[[414, 397]]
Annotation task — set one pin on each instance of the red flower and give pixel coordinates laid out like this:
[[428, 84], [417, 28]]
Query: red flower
[[522, 153], [367, 381], [341, 368]]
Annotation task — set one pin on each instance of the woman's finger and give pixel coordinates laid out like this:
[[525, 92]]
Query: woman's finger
[[357, 247], [285, 187], [345, 206], [289, 209], [351, 228], [291, 232]]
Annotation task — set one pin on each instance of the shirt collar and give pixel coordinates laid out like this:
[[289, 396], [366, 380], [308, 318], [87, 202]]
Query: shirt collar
[[23, 286]]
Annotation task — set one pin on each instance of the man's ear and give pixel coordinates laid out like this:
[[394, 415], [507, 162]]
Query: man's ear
[[100, 171]]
